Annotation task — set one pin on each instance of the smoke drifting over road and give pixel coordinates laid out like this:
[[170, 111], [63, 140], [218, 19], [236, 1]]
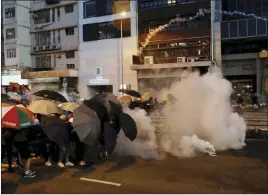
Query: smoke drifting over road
[[200, 121]]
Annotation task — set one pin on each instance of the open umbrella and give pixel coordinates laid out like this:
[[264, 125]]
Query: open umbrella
[[128, 126], [53, 95], [69, 106], [125, 99], [130, 92], [56, 130], [45, 107], [16, 117], [87, 125], [110, 102], [99, 108]]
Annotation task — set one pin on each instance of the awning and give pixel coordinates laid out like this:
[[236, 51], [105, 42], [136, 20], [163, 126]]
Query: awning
[[49, 74]]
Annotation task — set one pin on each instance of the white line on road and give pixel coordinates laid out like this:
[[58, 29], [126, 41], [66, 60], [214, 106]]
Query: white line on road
[[100, 181]]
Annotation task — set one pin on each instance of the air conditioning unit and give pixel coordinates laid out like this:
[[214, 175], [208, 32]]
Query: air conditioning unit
[[51, 47], [54, 47], [47, 47], [58, 46], [181, 59], [43, 47], [36, 48], [190, 59], [148, 59]]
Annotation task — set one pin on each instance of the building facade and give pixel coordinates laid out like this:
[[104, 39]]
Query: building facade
[[244, 47], [16, 42], [54, 49], [103, 50], [179, 46]]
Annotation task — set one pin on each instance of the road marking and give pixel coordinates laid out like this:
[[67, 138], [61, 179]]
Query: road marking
[[100, 181]]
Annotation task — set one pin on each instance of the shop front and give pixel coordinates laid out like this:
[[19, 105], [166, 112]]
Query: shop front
[[246, 72]]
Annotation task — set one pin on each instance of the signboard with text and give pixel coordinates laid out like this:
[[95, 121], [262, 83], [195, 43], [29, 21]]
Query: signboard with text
[[99, 81]]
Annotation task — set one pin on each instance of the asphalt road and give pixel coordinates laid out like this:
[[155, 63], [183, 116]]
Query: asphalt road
[[243, 171]]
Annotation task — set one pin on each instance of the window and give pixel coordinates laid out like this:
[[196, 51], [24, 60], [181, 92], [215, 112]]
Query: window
[[90, 32], [58, 37], [69, 31], [42, 38], [42, 17], [69, 54], [10, 33], [58, 13], [70, 66], [10, 12], [54, 38], [53, 15], [69, 8], [120, 6], [43, 62], [99, 71], [89, 9], [11, 53]]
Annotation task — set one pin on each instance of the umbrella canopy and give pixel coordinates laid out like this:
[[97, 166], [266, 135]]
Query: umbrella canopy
[[56, 130], [86, 124], [99, 108], [125, 99], [146, 96], [11, 104], [53, 95], [110, 102], [69, 106], [130, 92], [16, 117], [45, 107], [128, 126]]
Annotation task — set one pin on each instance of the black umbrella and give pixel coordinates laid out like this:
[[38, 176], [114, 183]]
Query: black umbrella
[[53, 95], [87, 125], [56, 130], [130, 92], [99, 108], [110, 102], [128, 126]]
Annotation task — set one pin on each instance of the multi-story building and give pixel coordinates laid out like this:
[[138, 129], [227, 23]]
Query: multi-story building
[[103, 49], [16, 42], [181, 45], [244, 47], [54, 49]]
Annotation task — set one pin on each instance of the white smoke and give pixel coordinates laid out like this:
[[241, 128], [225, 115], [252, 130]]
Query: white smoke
[[145, 144], [201, 121]]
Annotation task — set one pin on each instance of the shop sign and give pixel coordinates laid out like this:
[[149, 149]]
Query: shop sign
[[99, 81]]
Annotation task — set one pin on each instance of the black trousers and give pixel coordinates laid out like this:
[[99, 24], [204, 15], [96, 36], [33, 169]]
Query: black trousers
[[79, 151], [7, 151]]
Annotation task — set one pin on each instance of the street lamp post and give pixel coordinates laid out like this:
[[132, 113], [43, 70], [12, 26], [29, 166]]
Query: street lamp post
[[121, 50]]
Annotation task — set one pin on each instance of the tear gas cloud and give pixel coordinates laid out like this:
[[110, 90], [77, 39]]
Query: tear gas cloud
[[200, 121]]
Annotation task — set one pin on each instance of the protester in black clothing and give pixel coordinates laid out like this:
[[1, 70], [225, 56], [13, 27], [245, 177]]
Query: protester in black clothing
[[21, 143], [80, 147], [6, 148]]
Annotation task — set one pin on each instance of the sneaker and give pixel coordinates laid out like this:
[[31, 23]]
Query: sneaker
[[69, 164], [29, 174], [48, 164], [82, 163], [60, 164]]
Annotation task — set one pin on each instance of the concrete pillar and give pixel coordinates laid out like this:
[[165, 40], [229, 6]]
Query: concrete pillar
[[216, 18]]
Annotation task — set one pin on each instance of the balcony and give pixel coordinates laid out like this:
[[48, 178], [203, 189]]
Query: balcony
[[244, 28], [49, 74], [44, 48], [172, 62]]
